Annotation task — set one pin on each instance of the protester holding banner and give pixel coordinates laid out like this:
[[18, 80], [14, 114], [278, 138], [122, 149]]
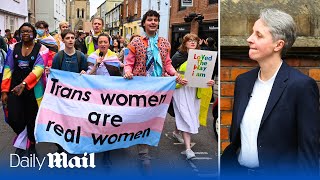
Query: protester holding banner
[[149, 56], [186, 104], [104, 61], [70, 59], [23, 86]]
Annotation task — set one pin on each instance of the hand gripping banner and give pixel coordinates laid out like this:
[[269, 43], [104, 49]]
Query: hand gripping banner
[[87, 113]]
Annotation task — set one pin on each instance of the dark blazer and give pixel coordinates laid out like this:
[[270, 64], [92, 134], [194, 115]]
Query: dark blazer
[[288, 138]]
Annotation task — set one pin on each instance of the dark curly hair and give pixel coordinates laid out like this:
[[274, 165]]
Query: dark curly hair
[[149, 13]]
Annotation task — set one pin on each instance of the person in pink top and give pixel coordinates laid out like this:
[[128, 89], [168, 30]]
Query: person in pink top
[[149, 56], [9, 38]]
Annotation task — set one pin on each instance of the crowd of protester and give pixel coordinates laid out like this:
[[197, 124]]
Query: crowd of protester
[[28, 55]]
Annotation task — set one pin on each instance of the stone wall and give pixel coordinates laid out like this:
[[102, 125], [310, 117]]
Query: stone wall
[[238, 17]]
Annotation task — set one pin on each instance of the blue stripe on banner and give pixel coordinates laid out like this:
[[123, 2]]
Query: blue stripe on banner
[[111, 82], [91, 60], [86, 143]]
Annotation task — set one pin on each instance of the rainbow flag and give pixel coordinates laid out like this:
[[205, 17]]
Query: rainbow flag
[[87, 113]]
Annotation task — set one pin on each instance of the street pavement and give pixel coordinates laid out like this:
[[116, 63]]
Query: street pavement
[[166, 158]]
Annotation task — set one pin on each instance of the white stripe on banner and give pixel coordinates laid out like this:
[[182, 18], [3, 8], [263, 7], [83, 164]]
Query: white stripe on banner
[[83, 109], [62, 119]]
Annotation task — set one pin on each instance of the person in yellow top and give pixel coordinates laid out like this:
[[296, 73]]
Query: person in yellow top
[[92, 40], [62, 26]]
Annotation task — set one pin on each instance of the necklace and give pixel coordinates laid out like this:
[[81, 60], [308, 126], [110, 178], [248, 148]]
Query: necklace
[[27, 47]]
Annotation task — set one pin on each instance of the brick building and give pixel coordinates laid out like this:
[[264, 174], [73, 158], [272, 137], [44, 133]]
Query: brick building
[[236, 27], [131, 18], [208, 27]]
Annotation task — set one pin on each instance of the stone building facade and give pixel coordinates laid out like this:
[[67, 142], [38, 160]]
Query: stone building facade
[[51, 11], [78, 14], [32, 11]]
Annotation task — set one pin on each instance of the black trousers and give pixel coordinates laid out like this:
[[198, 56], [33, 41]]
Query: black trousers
[[22, 112]]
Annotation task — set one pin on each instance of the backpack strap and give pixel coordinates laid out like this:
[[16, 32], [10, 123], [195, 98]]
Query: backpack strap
[[79, 59], [60, 56]]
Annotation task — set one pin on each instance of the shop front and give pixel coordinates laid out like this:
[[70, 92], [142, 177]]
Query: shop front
[[206, 29]]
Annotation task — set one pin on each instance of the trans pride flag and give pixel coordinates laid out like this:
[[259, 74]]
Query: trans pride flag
[[86, 113]]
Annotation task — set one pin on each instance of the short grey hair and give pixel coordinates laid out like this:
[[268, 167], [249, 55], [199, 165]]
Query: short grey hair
[[281, 25]]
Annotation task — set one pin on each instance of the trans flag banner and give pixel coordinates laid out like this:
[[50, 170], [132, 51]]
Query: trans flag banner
[[87, 113]]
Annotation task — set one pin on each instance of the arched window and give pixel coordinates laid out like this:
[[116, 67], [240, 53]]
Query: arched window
[[78, 13], [82, 13]]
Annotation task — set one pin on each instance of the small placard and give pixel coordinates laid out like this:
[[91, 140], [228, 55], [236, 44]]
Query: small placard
[[200, 67]]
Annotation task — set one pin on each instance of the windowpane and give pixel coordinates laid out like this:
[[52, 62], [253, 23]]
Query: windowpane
[[213, 1], [180, 7], [11, 24]]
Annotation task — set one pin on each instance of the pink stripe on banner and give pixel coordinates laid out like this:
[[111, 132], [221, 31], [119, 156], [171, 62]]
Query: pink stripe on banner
[[87, 128], [117, 97]]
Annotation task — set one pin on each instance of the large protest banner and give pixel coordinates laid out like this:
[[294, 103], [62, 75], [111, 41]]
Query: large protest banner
[[86, 113]]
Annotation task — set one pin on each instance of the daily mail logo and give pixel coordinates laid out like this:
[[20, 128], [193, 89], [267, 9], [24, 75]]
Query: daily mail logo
[[55, 160]]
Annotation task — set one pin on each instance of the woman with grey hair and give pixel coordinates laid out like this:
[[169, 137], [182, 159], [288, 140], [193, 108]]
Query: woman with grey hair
[[276, 120]]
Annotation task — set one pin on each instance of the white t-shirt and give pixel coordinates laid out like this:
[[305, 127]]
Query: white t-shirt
[[251, 120]]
